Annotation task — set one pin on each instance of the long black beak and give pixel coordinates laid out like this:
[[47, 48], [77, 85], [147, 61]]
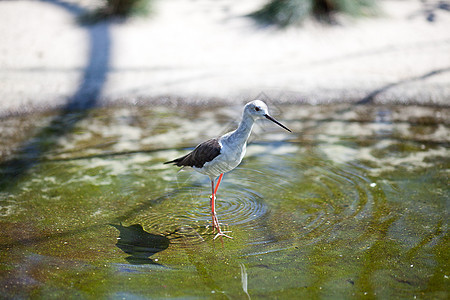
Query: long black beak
[[276, 122]]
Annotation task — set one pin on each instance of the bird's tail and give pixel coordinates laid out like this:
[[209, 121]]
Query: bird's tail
[[176, 161], [171, 162]]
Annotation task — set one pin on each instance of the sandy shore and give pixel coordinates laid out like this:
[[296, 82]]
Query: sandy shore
[[196, 51]]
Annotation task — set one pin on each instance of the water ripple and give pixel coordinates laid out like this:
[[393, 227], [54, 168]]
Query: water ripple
[[235, 207], [317, 202]]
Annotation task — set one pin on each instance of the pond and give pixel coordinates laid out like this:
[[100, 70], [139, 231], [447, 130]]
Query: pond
[[354, 203]]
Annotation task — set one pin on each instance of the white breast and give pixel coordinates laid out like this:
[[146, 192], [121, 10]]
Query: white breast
[[230, 157]]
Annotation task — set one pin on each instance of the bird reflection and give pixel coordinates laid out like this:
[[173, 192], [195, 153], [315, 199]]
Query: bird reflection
[[139, 244]]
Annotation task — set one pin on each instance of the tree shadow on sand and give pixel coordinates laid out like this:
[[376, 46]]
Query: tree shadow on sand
[[76, 108], [369, 98]]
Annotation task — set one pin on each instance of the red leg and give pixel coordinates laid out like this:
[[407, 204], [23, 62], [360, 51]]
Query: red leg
[[213, 204], [213, 207], [218, 182], [215, 221]]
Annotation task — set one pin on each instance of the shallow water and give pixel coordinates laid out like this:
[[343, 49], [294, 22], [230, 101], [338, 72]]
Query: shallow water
[[354, 203]]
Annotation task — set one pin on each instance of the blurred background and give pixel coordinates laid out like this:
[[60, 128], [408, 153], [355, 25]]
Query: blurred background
[[192, 51], [96, 95]]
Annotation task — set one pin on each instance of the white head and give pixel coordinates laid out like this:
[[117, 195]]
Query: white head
[[257, 109]]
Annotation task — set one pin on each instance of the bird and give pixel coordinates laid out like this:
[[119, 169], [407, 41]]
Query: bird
[[220, 155]]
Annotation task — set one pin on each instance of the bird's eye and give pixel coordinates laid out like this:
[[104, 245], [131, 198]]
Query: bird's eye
[[257, 108]]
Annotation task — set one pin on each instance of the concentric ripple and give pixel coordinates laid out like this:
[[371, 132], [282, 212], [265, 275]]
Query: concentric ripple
[[320, 199], [185, 212], [234, 207]]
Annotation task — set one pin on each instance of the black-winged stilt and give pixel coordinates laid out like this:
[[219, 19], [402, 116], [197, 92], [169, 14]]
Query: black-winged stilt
[[217, 156]]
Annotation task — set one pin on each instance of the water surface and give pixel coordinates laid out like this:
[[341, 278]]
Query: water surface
[[353, 203]]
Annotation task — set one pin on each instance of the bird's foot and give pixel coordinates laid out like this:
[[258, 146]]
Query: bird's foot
[[216, 226], [222, 234]]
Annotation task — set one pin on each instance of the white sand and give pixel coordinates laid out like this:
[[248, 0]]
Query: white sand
[[203, 50]]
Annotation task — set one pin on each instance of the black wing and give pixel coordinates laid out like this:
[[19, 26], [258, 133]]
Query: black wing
[[202, 154]]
